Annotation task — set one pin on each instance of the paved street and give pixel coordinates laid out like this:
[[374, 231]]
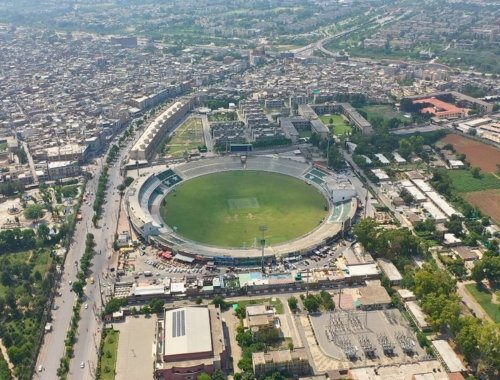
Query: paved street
[[53, 346], [89, 328], [206, 134]]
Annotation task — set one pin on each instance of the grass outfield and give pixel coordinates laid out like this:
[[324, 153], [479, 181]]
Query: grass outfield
[[226, 209]]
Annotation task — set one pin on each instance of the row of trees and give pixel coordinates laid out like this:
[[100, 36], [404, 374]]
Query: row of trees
[[477, 340]]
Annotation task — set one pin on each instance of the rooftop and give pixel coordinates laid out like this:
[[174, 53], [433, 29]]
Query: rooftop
[[187, 330]]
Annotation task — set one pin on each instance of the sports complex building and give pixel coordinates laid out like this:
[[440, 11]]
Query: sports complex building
[[144, 199], [190, 341]]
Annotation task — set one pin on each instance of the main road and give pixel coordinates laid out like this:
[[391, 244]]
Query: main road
[[89, 327]]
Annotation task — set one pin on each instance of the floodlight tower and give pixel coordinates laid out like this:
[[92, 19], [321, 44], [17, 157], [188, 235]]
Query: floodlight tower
[[263, 229]]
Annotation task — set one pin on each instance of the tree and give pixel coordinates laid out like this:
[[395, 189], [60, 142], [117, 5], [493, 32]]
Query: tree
[[293, 303], [366, 233], [335, 158], [218, 375], [220, 302], [405, 148], [204, 376], [326, 300], [454, 225], [43, 232], [476, 172], [489, 342], [430, 279], [78, 288], [311, 303], [127, 181], [156, 305], [33, 212], [487, 268], [467, 336]]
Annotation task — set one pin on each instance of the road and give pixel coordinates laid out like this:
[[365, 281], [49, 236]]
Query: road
[[206, 133], [89, 328], [470, 302], [30, 162], [53, 345]]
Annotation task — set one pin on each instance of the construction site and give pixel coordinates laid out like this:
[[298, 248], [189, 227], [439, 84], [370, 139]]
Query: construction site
[[364, 338]]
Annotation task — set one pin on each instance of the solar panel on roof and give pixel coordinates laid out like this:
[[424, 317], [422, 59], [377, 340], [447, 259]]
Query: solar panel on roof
[[178, 323], [174, 324], [183, 323]]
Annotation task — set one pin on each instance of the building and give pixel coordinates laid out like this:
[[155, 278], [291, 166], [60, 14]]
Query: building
[[447, 356], [260, 317], [294, 363], [390, 271], [190, 341], [63, 169], [147, 145], [460, 99], [373, 297]]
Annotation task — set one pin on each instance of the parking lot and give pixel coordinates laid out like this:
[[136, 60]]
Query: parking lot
[[145, 264]]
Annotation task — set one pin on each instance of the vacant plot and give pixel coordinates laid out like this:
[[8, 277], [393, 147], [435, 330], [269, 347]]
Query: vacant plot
[[487, 201], [478, 154], [464, 182], [188, 136], [384, 111], [108, 358], [227, 209], [483, 297]]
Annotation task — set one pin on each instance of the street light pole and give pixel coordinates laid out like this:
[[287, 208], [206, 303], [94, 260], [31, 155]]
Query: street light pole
[[263, 229]]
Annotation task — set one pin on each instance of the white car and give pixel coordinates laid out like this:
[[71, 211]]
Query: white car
[[86, 306], [82, 365]]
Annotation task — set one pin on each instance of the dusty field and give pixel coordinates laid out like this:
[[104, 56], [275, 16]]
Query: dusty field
[[487, 201], [478, 154]]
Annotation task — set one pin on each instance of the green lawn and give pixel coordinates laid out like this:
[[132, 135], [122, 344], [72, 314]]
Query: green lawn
[[340, 126], [384, 111], [110, 352], [188, 136], [484, 299], [464, 182], [227, 209]]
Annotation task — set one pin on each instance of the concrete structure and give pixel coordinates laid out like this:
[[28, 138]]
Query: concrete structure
[[390, 271], [190, 341], [155, 133], [294, 363], [447, 356], [462, 100], [144, 197]]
